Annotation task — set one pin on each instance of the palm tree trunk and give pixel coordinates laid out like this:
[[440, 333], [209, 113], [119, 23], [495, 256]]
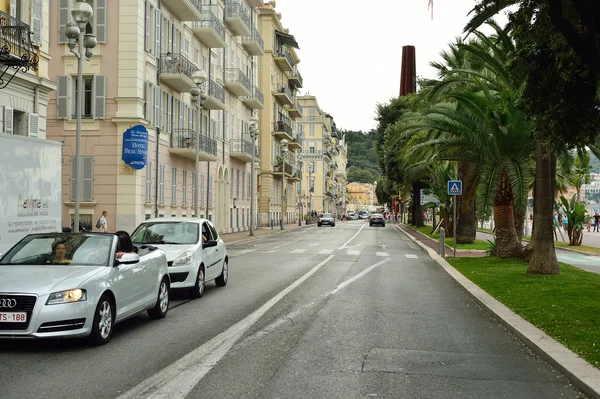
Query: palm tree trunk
[[508, 244], [519, 223], [466, 229], [543, 259], [417, 216]]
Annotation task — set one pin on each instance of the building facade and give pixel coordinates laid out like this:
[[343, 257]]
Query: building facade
[[141, 73], [24, 56], [361, 196], [279, 80]]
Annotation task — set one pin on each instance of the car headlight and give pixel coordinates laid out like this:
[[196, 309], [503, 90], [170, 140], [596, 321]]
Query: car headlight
[[75, 295], [185, 258]]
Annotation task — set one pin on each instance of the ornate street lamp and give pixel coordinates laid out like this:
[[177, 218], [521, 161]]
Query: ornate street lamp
[[253, 136], [300, 163], [198, 94], [284, 151], [81, 13]]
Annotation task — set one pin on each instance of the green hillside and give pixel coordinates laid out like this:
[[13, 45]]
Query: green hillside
[[362, 158]]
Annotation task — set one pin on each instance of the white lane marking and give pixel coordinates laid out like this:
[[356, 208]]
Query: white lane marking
[[354, 236], [246, 251], [382, 254], [282, 320], [353, 253], [298, 251], [325, 251], [270, 252], [359, 275], [276, 247], [411, 256], [177, 380], [313, 244]]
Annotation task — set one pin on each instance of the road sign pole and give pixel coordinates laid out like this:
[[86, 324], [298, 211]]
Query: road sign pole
[[454, 225]]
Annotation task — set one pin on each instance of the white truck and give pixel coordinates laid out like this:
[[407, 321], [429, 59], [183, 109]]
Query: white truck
[[30, 188]]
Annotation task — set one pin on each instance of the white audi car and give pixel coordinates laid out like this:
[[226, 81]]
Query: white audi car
[[195, 252], [79, 285]]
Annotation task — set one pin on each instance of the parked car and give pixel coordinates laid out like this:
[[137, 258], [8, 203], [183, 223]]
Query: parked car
[[192, 262], [377, 218], [326, 218], [77, 285]]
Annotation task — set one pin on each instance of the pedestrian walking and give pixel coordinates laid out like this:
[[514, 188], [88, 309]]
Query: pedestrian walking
[[596, 222], [102, 224]]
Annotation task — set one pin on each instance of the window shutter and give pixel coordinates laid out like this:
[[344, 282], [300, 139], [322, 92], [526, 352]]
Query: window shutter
[[190, 118], [34, 125], [202, 192], [100, 17], [169, 126], [88, 179], [37, 18], [210, 191], [148, 103], [148, 27], [8, 120], [62, 97], [184, 186], [157, 93], [158, 33], [161, 183], [173, 185], [72, 186], [100, 90], [181, 115], [194, 182], [149, 182], [170, 36]]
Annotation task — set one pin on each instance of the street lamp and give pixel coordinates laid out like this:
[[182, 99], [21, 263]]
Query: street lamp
[[81, 13], [198, 94], [253, 136], [284, 150], [300, 163]]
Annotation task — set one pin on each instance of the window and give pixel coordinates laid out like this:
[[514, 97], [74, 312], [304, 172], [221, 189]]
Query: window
[[87, 97], [173, 185], [97, 25], [194, 182], [184, 187], [237, 184], [312, 130], [243, 185], [149, 182], [87, 188]]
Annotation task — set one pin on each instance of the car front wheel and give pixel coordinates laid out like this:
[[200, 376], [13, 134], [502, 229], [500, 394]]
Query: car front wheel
[[104, 320], [198, 289], [159, 311], [221, 281]]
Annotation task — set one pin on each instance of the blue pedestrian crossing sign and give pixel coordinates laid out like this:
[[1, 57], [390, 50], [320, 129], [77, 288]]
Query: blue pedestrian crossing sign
[[455, 187]]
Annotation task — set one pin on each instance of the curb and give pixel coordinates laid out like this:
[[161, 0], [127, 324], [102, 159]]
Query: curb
[[581, 373], [479, 251], [255, 238], [557, 248]]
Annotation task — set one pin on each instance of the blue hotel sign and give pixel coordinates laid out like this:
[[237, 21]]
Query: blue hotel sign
[[135, 147]]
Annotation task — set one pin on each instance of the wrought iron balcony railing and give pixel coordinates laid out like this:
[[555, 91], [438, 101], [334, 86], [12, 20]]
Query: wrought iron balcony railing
[[216, 91], [282, 126], [285, 119], [257, 37], [242, 146], [211, 21], [237, 9], [282, 52], [177, 64], [235, 75], [16, 49], [186, 138], [258, 95]]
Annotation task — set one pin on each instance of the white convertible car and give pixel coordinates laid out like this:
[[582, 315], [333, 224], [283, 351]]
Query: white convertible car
[[192, 262], [79, 285]]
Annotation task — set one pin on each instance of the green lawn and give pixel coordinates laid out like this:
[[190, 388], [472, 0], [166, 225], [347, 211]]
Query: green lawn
[[582, 248], [479, 244], [566, 307]]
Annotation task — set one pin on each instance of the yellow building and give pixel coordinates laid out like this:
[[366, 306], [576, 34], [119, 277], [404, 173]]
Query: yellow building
[[361, 196], [279, 80], [24, 57]]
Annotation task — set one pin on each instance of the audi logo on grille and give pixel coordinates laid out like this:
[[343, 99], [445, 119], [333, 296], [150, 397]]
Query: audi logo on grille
[[8, 303]]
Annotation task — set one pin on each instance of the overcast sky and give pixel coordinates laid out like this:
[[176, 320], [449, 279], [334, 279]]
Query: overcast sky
[[351, 50]]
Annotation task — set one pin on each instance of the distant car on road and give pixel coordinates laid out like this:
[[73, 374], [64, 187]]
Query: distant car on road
[[377, 218], [59, 285], [326, 219], [352, 216], [191, 261]]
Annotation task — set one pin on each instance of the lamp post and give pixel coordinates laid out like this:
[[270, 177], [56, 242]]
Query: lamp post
[[300, 163], [198, 94], [284, 150], [75, 31], [310, 188], [253, 136]]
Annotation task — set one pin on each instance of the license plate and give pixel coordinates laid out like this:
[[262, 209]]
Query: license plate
[[13, 317]]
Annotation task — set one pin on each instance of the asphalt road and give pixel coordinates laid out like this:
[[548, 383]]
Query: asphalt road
[[343, 312]]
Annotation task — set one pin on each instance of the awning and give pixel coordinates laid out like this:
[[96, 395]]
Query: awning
[[286, 39]]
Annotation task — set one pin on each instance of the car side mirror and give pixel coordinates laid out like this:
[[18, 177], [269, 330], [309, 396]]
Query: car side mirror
[[1, 255], [129, 259], [209, 244]]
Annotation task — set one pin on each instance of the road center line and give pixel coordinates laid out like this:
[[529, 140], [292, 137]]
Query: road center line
[[177, 380], [359, 275], [353, 237]]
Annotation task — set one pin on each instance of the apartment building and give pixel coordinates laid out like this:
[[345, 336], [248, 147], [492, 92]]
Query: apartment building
[[141, 73], [279, 80], [324, 156], [24, 57], [361, 195]]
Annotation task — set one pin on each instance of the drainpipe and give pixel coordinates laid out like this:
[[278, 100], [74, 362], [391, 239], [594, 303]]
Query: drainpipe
[[208, 130], [156, 160], [36, 99]]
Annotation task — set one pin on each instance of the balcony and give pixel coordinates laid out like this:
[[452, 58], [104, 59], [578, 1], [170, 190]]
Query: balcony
[[16, 49], [283, 130], [183, 144], [185, 10], [256, 100], [296, 110], [215, 97], [295, 79], [217, 74], [237, 82], [284, 60], [296, 143], [254, 44], [284, 96], [242, 149], [210, 30], [237, 18], [289, 170], [176, 72]]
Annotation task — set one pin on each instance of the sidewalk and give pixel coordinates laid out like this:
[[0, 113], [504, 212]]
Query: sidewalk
[[241, 237], [435, 245]]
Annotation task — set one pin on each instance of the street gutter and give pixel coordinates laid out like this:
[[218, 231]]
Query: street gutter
[[582, 374]]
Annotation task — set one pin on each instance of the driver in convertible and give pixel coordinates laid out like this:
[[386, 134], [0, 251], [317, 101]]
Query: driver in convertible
[[59, 253]]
